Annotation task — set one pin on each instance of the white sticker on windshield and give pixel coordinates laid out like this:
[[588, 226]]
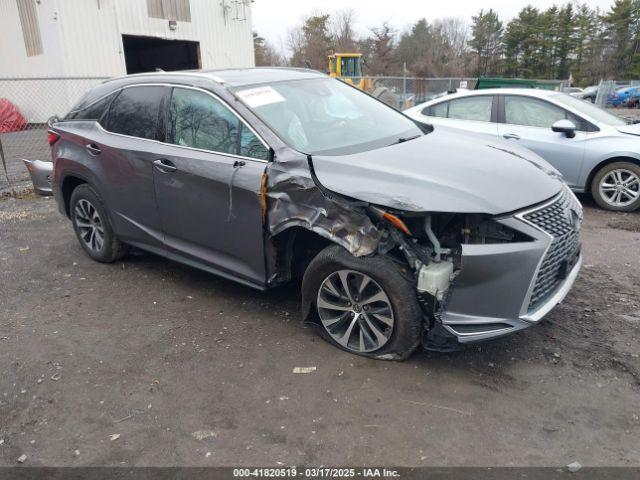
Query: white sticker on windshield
[[259, 96]]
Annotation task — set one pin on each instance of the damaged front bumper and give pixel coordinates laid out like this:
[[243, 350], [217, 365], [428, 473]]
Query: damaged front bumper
[[504, 288]]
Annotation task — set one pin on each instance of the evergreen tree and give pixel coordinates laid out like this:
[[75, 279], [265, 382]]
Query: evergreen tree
[[565, 45], [311, 44], [486, 42], [621, 34]]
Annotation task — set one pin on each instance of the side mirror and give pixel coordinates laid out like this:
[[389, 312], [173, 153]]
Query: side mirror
[[565, 126]]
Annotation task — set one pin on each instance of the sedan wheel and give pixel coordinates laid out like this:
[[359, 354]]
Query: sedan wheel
[[355, 311], [617, 187], [620, 187], [89, 225]]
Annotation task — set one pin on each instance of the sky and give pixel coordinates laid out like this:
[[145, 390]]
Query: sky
[[273, 19]]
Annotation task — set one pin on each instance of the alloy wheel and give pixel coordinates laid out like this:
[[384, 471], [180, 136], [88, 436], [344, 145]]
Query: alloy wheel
[[89, 224], [355, 310], [620, 187]]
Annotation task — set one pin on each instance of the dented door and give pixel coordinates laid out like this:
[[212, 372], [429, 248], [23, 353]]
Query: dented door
[[211, 212], [207, 183]]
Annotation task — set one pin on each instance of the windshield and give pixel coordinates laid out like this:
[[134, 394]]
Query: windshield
[[326, 116], [589, 109]]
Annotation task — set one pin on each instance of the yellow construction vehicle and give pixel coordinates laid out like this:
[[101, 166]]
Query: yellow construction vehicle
[[348, 68]]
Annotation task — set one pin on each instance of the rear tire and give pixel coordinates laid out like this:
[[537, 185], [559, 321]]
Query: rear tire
[[616, 187], [381, 320], [92, 226]]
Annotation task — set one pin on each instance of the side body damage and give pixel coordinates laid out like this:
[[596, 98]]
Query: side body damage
[[475, 274]]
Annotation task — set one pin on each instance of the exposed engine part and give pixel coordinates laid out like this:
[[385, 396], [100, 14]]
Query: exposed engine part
[[435, 278], [432, 238], [412, 256]]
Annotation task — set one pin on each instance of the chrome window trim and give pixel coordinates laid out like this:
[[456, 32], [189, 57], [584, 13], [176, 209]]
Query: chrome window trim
[[236, 114], [224, 154], [216, 97]]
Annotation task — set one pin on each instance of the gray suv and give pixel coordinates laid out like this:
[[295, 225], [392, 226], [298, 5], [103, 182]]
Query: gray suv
[[402, 234]]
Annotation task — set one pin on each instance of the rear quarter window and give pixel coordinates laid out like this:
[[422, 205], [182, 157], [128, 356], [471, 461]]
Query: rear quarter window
[[96, 111], [135, 112], [437, 110]]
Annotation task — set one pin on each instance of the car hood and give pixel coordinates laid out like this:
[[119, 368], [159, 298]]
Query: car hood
[[633, 129], [444, 171]]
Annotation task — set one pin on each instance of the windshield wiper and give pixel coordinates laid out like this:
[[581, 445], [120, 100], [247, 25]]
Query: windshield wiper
[[405, 139]]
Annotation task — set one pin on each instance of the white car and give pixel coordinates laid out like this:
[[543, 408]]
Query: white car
[[573, 91], [594, 150]]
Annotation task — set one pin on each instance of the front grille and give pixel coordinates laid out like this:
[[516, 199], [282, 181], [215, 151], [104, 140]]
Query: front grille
[[558, 220]]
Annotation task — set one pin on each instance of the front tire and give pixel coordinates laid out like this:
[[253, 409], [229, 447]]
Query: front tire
[[616, 187], [364, 305], [93, 227]]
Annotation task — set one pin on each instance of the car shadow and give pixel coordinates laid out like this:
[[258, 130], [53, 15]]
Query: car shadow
[[201, 282]]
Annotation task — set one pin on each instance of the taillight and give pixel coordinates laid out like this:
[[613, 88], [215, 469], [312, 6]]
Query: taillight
[[52, 137]]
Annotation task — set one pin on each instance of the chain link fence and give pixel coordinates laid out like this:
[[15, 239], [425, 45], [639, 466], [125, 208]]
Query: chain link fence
[[23, 135], [35, 100], [25, 106], [410, 91]]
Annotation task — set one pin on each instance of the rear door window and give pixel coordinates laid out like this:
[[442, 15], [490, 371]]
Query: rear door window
[[477, 108], [135, 112], [437, 110]]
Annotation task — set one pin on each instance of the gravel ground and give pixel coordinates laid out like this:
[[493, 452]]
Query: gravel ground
[[30, 144], [147, 362]]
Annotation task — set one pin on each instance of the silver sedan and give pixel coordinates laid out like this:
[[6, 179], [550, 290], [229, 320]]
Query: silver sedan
[[595, 151]]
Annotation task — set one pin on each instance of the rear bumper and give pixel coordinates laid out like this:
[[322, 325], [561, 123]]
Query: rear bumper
[[505, 288], [40, 175]]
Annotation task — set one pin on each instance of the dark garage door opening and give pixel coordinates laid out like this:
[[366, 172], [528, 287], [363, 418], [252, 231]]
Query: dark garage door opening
[[146, 54]]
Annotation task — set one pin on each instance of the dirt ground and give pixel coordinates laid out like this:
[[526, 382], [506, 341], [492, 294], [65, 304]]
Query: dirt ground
[[190, 369]]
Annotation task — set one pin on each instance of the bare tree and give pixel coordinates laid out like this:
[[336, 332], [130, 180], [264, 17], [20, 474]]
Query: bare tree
[[379, 50], [265, 54], [453, 33], [343, 32], [296, 45]]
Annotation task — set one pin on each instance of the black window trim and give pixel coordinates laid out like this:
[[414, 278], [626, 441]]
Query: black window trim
[[494, 107], [502, 115], [115, 94]]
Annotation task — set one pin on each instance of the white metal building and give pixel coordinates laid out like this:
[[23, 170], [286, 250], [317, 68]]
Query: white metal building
[[105, 38]]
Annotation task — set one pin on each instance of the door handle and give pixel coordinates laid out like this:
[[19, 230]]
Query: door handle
[[165, 165], [511, 136], [239, 163], [93, 149]]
